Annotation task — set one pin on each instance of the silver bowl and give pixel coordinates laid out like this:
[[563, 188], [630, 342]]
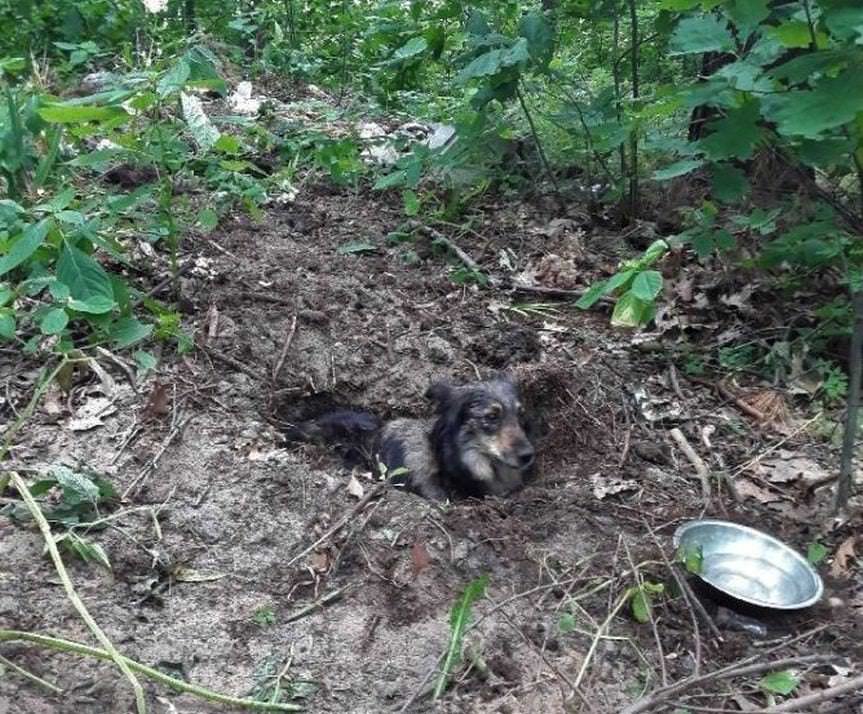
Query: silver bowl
[[750, 565]]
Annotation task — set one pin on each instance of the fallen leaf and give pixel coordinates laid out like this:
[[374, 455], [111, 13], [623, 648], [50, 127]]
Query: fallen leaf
[[89, 415], [747, 488], [158, 401], [844, 553], [420, 558], [603, 486], [355, 488], [319, 561]]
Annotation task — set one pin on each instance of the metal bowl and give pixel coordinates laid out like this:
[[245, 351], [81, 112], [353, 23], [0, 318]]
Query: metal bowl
[[750, 565]]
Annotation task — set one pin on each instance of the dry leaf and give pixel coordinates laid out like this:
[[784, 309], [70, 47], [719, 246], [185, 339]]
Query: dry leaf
[[420, 558], [319, 561], [844, 553], [603, 486], [89, 415], [158, 402], [747, 488], [355, 488]]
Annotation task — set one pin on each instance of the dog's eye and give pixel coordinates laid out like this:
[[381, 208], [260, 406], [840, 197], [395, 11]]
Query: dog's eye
[[492, 414]]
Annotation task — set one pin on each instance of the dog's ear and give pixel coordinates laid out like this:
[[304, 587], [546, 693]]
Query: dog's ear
[[440, 393]]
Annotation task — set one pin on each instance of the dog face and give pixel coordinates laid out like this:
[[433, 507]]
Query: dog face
[[486, 424]]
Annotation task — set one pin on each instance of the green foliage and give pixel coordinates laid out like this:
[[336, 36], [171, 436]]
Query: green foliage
[[641, 600], [692, 558], [264, 616], [460, 617], [783, 683], [816, 552]]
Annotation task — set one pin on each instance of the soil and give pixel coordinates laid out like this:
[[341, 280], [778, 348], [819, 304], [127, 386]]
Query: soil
[[212, 592]]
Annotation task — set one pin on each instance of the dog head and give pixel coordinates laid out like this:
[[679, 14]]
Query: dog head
[[482, 427]]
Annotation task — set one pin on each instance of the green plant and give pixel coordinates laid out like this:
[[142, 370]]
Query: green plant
[[641, 599], [637, 286], [459, 620], [264, 616]]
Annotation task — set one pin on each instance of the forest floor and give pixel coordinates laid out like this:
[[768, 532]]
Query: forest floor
[[205, 580]]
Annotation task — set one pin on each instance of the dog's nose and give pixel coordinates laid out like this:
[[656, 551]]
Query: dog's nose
[[526, 456]]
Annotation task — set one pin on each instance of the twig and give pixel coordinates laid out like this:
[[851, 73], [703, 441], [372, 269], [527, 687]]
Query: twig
[[285, 347], [231, 362], [76, 601], [849, 438], [700, 467], [561, 293], [422, 688], [316, 605], [155, 460], [597, 637], [736, 670], [55, 643], [459, 253], [696, 602], [360, 505], [727, 394], [802, 704], [182, 270], [53, 688]]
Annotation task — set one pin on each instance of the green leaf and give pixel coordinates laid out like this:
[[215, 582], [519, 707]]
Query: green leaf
[[735, 135], [70, 114], [539, 33], [175, 78], [640, 604], [356, 246], [396, 178], [704, 33], [76, 486], [458, 622], [54, 321], [596, 291], [620, 279], [647, 285], [84, 276], [844, 20], [729, 183], [783, 683], [94, 305], [493, 61], [7, 324], [24, 246], [692, 558], [413, 47], [146, 362], [747, 14], [835, 101], [629, 311], [127, 331], [208, 219], [411, 203], [566, 622], [794, 34], [228, 144], [815, 553], [678, 168]]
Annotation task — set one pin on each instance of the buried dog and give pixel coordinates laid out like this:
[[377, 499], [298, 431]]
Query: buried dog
[[477, 444]]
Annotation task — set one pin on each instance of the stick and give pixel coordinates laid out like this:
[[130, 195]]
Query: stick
[[561, 293], [179, 685], [362, 503], [231, 362], [317, 604], [849, 438], [802, 704], [155, 460], [284, 353], [459, 253], [76, 601], [661, 695], [596, 638], [700, 467]]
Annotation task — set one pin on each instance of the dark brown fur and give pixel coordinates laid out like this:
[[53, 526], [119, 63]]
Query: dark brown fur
[[477, 443]]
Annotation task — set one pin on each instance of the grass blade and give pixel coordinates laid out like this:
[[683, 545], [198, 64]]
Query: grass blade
[[458, 622]]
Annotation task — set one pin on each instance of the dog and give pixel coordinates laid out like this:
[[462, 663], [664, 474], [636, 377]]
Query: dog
[[477, 443]]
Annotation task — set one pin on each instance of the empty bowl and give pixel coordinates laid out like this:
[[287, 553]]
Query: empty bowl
[[750, 565]]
